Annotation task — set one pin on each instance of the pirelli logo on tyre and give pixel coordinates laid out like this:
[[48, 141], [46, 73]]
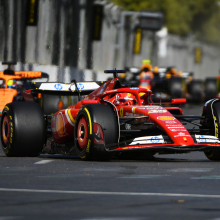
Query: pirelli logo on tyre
[[165, 118], [6, 107], [216, 127], [88, 146]]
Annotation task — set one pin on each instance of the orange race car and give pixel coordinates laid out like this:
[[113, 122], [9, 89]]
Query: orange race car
[[13, 83]]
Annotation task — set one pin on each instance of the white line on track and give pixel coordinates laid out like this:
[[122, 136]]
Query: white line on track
[[43, 161], [191, 170], [111, 193], [142, 177]]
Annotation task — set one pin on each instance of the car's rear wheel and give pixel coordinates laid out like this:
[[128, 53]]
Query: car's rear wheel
[[22, 129], [195, 90], [210, 88], [89, 115], [50, 104], [176, 88]]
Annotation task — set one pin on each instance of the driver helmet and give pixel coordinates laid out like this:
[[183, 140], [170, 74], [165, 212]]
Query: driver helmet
[[11, 83], [146, 67], [121, 98]]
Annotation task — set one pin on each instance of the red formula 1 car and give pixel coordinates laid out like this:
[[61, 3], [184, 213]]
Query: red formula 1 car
[[110, 120]]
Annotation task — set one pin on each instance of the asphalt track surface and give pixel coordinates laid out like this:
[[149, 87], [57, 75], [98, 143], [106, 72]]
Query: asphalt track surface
[[179, 187]]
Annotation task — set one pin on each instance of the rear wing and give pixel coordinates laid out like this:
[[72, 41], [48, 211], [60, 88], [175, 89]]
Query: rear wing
[[162, 73], [31, 74], [66, 89]]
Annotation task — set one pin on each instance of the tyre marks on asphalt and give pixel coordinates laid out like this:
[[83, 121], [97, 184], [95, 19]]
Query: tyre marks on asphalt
[[43, 162]]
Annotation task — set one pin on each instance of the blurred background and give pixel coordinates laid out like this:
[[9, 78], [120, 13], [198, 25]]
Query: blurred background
[[81, 38]]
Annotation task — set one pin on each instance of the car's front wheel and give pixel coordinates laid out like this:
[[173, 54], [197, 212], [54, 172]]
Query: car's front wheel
[[88, 117], [214, 154]]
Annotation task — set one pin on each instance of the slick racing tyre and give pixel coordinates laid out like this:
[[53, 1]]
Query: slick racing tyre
[[195, 90], [22, 129], [175, 87], [50, 104], [102, 115], [214, 154], [210, 88]]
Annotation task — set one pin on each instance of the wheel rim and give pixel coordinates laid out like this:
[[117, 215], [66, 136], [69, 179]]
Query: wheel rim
[[6, 130], [82, 132]]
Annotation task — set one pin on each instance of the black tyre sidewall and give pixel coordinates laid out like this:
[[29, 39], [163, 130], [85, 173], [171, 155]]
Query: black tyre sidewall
[[196, 91], [210, 88], [50, 104], [8, 149], [105, 117], [27, 129], [214, 154], [175, 87]]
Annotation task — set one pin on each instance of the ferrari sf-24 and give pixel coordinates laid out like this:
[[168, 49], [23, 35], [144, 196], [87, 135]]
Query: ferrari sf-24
[[108, 120]]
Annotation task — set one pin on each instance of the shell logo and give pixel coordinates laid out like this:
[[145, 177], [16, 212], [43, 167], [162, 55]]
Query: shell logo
[[60, 125], [165, 118], [133, 109]]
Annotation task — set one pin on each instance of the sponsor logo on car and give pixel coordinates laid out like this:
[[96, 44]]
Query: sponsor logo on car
[[133, 109], [155, 139], [58, 86], [176, 127], [127, 126], [152, 107], [131, 114], [165, 118], [121, 112], [80, 86], [157, 111], [182, 135], [202, 139]]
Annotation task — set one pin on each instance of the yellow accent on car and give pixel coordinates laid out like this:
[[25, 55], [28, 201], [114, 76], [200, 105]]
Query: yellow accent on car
[[70, 116], [121, 112], [90, 122]]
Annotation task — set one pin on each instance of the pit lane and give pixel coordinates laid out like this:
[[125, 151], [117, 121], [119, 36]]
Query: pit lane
[[64, 187]]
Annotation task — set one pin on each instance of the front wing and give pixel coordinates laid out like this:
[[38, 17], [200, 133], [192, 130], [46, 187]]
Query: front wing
[[157, 144]]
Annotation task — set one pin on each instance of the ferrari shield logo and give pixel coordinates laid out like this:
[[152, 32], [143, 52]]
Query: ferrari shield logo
[[121, 112]]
